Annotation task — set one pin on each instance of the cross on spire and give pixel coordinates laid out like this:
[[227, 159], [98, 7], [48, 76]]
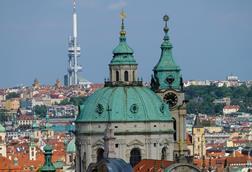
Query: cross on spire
[[108, 110], [166, 18], [122, 16]]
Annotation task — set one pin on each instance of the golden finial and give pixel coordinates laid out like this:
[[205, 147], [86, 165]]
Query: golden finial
[[122, 16], [166, 18]]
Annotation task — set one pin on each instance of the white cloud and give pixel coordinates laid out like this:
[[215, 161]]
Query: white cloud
[[117, 5]]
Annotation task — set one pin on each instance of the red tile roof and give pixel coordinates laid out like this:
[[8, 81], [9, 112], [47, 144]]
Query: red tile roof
[[25, 117], [20, 151], [231, 107], [152, 165]]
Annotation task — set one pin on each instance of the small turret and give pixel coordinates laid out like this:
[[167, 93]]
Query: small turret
[[36, 84], [32, 149], [58, 84], [48, 165], [198, 134], [197, 123]]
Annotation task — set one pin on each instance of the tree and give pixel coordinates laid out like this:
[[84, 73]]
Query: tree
[[12, 95], [64, 102], [77, 100], [73, 101], [201, 98], [40, 110]]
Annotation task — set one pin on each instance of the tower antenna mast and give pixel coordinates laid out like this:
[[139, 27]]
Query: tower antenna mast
[[73, 53]]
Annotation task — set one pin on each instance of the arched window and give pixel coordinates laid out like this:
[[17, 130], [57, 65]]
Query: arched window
[[164, 153], [70, 158], [99, 153], [133, 74], [135, 156], [84, 161], [117, 75], [175, 129], [126, 76]]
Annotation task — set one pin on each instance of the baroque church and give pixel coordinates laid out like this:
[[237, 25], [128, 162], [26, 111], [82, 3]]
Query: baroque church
[[127, 120]]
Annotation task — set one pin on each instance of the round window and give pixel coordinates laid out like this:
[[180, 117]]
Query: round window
[[134, 108], [99, 109]]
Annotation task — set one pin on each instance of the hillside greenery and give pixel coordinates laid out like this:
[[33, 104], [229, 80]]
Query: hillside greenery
[[201, 98], [12, 95], [73, 100]]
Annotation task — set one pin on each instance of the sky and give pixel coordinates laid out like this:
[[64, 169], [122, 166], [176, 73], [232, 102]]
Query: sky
[[211, 39]]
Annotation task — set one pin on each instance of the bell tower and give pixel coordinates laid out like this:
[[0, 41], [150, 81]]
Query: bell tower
[[167, 82]]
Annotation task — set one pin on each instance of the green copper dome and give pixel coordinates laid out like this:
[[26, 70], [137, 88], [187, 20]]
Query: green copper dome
[[123, 104], [71, 148], [2, 129], [123, 54], [123, 47]]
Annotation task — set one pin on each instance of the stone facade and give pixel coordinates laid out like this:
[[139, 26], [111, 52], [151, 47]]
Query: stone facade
[[199, 142], [142, 124], [118, 73], [148, 137]]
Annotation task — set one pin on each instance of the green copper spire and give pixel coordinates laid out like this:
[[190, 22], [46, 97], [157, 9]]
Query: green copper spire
[[48, 165], [166, 72], [166, 61], [123, 54]]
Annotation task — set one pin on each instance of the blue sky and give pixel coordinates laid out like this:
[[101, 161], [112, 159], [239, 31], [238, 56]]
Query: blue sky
[[211, 39]]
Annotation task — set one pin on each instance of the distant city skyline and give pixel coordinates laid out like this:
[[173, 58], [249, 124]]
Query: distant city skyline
[[211, 39]]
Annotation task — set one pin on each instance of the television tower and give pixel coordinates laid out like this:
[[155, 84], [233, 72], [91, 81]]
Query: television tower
[[73, 53]]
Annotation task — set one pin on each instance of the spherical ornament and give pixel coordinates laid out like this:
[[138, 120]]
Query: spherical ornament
[[166, 17]]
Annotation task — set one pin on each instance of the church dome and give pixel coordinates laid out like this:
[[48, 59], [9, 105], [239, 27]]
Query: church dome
[[123, 54], [123, 104], [122, 47]]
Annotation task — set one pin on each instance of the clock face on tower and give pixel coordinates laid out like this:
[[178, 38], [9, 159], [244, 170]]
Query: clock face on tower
[[171, 99]]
